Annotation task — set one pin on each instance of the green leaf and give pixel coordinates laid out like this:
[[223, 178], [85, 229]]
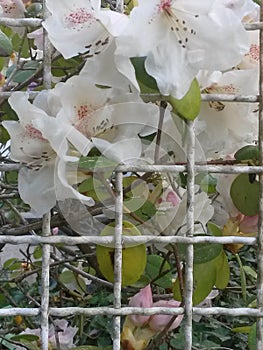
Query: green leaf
[[203, 252], [6, 47], [34, 10], [29, 337], [222, 271], [252, 338], [206, 182], [12, 264], [100, 162], [67, 277], [21, 45], [156, 265], [4, 136], [38, 252], [243, 279], [146, 82], [243, 329], [244, 192], [24, 73], [206, 275], [62, 66], [250, 272], [189, 106], [204, 280], [247, 153], [134, 257], [214, 229]]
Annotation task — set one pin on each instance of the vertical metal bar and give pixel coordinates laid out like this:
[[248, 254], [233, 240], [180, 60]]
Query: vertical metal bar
[[120, 5], [45, 284], [47, 217], [118, 259], [188, 295], [260, 228], [47, 54]]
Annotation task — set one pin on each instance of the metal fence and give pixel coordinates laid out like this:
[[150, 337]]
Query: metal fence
[[117, 310]]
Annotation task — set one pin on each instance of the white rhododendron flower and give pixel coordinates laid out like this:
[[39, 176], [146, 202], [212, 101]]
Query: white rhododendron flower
[[13, 9], [107, 119], [81, 26], [222, 128], [102, 70], [179, 38], [36, 179]]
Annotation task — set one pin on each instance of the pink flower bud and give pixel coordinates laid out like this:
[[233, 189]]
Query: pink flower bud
[[159, 322], [141, 299]]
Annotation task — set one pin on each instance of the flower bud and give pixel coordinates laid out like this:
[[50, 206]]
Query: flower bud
[[141, 299], [159, 322]]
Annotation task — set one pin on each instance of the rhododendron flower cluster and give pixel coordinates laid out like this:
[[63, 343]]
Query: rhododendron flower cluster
[[131, 88]]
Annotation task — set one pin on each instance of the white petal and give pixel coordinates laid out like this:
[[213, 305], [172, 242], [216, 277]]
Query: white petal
[[75, 23], [122, 151], [36, 188]]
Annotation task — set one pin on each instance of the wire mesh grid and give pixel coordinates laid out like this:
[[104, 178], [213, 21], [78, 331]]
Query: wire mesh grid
[[117, 310]]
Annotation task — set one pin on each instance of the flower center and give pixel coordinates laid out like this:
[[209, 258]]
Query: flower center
[[86, 123], [176, 18], [34, 133], [165, 5], [254, 52], [78, 19]]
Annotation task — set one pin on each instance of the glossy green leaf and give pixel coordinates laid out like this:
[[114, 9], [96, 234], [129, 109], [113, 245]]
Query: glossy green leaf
[[246, 153], [203, 252], [222, 271], [207, 275], [133, 257], [146, 82], [244, 192], [204, 280], [189, 106], [157, 266], [6, 47]]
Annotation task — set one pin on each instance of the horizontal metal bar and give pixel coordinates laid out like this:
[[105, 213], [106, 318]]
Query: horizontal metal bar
[[19, 311], [227, 169], [10, 167], [124, 311], [253, 26], [204, 97], [126, 240], [20, 22], [7, 94], [230, 98]]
